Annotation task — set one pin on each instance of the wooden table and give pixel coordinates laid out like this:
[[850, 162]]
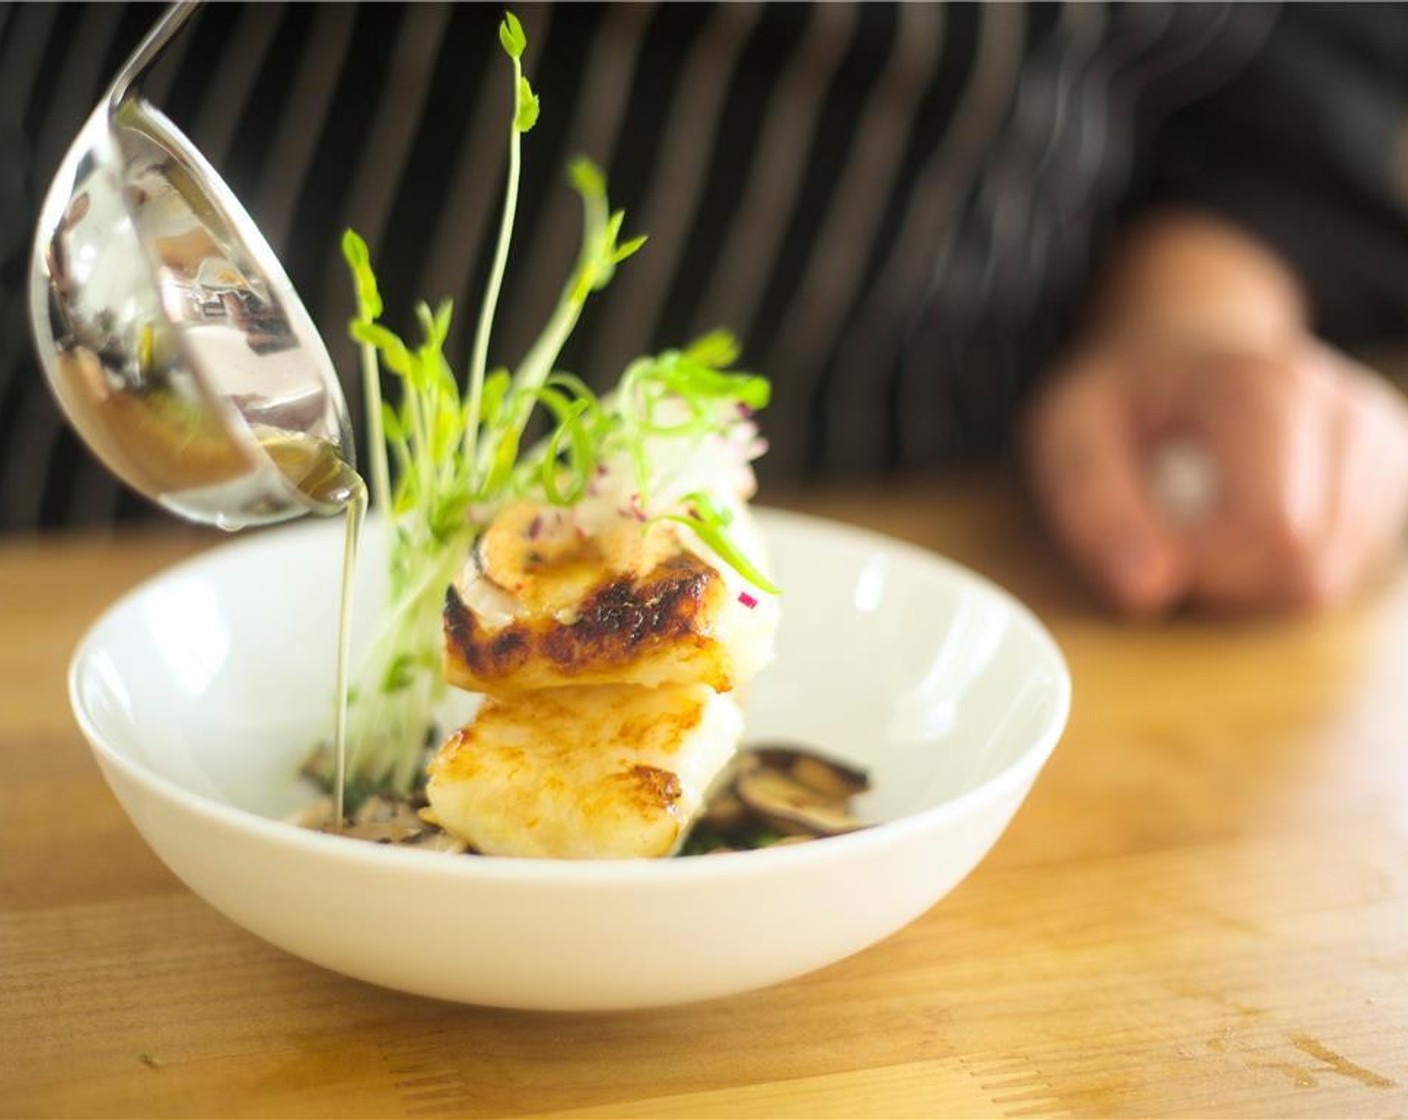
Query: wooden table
[[1201, 910]]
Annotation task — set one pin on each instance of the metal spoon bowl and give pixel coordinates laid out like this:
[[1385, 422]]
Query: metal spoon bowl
[[169, 332]]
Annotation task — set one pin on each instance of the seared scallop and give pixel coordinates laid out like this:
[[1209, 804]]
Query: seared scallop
[[608, 772], [546, 604]]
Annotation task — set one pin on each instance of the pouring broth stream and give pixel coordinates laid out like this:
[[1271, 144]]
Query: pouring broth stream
[[331, 486]]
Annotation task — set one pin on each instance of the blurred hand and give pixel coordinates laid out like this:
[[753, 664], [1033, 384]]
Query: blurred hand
[[1306, 451]]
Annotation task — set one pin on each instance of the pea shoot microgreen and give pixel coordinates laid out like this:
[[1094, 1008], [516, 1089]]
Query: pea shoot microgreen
[[459, 457]]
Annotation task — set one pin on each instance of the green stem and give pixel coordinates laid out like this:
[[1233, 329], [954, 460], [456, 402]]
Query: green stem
[[376, 436], [537, 364], [436, 575], [480, 356]]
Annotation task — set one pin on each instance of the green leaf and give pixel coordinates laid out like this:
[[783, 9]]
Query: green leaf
[[708, 522], [400, 673], [613, 231], [505, 454], [748, 389], [447, 519], [426, 318], [586, 178], [354, 249], [445, 435], [707, 509], [574, 385], [359, 261], [579, 459], [511, 36], [697, 423], [393, 350], [406, 494], [526, 112], [448, 386], [718, 349], [443, 315], [577, 421], [391, 424], [627, 249], [434, 325], [495, 390]]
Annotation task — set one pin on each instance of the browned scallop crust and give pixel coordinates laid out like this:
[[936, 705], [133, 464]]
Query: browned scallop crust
[[608, 771], [659, 629]]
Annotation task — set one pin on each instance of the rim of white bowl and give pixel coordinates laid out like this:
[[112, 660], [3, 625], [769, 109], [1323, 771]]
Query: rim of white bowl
[[1021, 771]]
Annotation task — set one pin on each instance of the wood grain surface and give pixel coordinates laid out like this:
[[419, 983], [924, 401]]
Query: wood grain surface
[[1202, 910]]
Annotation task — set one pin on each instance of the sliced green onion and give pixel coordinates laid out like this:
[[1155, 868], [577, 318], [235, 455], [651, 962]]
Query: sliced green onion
[[708, 521]]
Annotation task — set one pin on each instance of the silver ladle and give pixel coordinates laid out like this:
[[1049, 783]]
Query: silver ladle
[[169, 332]]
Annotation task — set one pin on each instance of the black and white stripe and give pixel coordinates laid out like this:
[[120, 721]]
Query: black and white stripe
[[896, 206]]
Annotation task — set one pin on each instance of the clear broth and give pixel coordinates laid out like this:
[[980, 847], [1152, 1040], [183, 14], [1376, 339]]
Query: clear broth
[[320, 474]]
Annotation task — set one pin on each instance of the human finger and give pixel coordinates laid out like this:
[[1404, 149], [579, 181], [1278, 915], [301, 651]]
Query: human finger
[[1369, 504], [1087, 470], [1269, 426]]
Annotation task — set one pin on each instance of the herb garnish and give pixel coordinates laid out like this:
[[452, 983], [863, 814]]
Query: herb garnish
[[459, 459]]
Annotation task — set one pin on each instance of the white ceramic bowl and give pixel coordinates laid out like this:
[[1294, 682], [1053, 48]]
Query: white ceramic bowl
[[201, 690]]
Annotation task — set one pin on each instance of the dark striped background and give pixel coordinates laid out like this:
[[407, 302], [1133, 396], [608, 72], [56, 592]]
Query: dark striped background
[[895, 206]]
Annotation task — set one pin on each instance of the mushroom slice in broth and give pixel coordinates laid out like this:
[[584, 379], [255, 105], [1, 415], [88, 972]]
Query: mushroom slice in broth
[[778, 794]]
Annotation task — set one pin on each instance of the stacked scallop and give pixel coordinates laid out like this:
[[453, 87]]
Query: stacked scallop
[[607, 649]]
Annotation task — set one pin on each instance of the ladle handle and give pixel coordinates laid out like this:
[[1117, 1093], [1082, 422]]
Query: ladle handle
[[161, 33]]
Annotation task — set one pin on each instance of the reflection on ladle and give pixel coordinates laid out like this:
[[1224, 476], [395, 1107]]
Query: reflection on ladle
[[174, 341], [167, 328]]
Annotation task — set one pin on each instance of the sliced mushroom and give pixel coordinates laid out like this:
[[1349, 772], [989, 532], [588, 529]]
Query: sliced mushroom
[[723, 813], [437, 841], [791, 807], [829, 777], [316, 814], [777, 794], [385, 821]]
